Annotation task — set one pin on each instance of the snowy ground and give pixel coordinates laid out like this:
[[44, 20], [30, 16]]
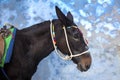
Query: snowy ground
[[99, 20]]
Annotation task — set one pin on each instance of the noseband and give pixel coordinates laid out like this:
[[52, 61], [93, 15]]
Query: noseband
[[61, 55]]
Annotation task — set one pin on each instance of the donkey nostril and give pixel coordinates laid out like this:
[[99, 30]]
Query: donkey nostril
[[87, 66]]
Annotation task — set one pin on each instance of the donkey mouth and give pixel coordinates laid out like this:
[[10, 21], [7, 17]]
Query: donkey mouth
[[83, 68]]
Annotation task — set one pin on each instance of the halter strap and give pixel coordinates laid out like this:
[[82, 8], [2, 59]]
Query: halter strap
[[61, 55]]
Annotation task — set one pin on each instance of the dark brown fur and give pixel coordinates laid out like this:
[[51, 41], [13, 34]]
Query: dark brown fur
[[34, 43]]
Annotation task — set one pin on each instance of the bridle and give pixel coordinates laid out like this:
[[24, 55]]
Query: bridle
[[61, 55]]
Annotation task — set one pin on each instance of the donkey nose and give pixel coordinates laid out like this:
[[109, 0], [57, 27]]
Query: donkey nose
[[87, 67], [83, 67], [84, 62]]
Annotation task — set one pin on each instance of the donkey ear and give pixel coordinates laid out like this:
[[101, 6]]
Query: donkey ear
[[70, 16], [61, 16]]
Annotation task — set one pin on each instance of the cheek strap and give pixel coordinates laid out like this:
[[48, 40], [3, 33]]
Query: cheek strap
[[63, 56]]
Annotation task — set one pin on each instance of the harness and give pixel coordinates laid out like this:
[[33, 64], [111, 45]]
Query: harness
[[8, 35], [60, 54]]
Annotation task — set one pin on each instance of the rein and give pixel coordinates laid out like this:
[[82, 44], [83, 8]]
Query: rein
[[61, 55]]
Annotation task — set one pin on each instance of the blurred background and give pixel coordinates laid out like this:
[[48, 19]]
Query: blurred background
[[99, 20]]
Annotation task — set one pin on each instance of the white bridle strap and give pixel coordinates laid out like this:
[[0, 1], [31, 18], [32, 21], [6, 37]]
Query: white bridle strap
[[64, 57], [71, 54], [60, 54]]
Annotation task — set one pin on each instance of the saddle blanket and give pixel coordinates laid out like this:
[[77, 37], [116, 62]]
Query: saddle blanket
[[9, 42]]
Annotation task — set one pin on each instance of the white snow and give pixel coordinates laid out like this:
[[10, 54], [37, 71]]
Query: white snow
[[105, 1], [105, 58]]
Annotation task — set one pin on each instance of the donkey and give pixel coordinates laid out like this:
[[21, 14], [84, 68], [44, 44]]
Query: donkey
[[34, 43]]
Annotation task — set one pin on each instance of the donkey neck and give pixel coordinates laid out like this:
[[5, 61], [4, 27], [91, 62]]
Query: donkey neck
[[40, 44], [31, 46]]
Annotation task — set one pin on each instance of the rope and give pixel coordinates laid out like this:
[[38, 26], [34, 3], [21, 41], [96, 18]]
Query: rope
[[60, 54], [66, 38]]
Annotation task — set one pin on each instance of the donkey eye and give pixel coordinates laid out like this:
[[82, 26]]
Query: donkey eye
[[75, 33], [76, 36]]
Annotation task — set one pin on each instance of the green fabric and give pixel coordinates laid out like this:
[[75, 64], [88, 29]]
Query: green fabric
[[7, 43]]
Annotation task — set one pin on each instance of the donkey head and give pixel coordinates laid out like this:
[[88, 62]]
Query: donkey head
[[77, 42]]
